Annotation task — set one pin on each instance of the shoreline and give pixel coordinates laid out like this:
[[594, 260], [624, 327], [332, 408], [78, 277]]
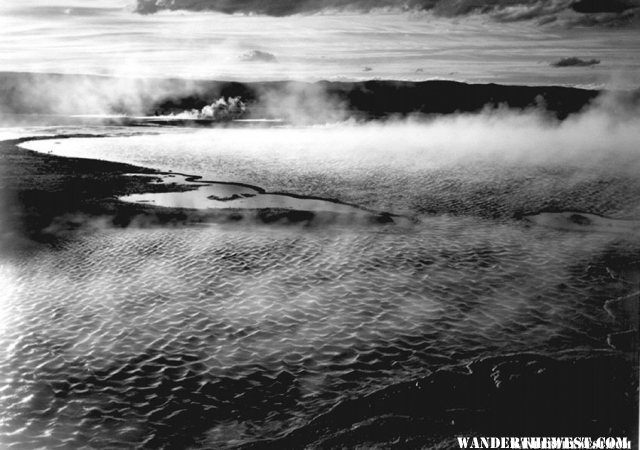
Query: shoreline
[[47, 197]]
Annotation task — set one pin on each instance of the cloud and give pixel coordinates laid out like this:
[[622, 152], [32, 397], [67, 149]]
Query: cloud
[[258, 56], [626, 18], [57, 10], [602, 6], [567, 12], [500, 9], [575, 62]]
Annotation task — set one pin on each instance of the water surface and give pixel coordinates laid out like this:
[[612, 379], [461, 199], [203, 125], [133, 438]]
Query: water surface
[[218, 335]]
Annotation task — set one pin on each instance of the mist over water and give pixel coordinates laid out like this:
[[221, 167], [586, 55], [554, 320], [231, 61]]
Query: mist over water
[[398, 165], [221, 335]]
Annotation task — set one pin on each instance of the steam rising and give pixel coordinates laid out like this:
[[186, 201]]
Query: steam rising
[[301, 104], [606, 128], [221, 109], [516, 159], [25, 93]]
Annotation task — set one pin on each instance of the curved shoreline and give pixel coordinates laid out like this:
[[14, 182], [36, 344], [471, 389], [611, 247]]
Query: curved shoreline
[[48, 197], [377, 216], [200, 182], [559, 220]]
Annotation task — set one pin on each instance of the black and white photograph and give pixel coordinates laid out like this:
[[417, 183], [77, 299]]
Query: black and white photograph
[[319, 224]]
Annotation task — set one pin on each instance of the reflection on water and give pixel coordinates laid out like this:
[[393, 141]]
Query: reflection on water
[[214, 195], [224, 335]]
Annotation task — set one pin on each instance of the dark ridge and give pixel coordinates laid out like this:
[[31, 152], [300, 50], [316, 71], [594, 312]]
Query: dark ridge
[[31, 93], [384, 98]]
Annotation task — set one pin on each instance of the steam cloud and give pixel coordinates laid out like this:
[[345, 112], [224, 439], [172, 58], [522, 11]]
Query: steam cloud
[[604, 132], [570, 12], [30, 93], [405, 165], [301, 104], [221, 109], [23, 95]]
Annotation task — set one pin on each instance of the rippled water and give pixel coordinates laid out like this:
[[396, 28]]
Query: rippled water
[[465, 168], [214, 336], [136, 335]]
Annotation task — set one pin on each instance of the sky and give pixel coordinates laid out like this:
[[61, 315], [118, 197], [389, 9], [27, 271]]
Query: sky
[[500, 41]]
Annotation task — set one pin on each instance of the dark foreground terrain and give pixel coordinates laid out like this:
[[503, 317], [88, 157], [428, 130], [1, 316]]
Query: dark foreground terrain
[[45, 197]]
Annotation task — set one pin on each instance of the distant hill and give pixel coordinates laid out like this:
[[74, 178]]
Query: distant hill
[[31, 93]]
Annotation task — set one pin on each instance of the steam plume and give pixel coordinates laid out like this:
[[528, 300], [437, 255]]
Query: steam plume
[[221, 109]]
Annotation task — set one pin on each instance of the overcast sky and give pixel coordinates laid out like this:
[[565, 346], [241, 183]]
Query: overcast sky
[[501, 41]]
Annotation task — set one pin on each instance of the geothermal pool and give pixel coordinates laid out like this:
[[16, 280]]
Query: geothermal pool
[[218, 335]]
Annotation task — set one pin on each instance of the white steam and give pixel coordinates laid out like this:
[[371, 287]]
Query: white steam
[[221, 109], [86, 94], [605, 135], [301, 104]]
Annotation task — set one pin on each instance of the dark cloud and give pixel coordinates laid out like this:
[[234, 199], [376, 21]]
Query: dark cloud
[[506, 10], [575, 62], [289, 7], [601, 6], [258, 56], [567, 12], [608, 20]]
